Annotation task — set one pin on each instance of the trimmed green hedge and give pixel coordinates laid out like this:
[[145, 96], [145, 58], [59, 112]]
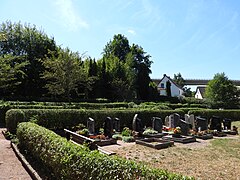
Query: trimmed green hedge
[[65, 118], [187, 109], [69, 161], [231, 114], [5, 106]]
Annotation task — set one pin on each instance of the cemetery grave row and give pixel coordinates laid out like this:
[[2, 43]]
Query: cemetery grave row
[[160, 134]]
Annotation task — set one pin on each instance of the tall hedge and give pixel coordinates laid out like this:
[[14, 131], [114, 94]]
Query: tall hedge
[[233, 114], [65, 118], [69, 161], [5, 106]]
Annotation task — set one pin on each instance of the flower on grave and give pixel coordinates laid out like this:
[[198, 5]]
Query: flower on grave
[[177, 130], [192, 132]]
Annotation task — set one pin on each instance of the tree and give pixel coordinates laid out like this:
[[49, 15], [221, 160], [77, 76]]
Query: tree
[[221, 92], [34, 44], [178, 79], [63, 73], [168, 87], [141, 65], [11, 71], [118, 47]]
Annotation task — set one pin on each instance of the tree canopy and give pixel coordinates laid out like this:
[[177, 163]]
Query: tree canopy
[[33, 66], [26, 40], [221, 92]]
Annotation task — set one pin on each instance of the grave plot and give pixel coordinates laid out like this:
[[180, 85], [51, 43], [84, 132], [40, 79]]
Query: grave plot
[[227, 124], [90, 136], [155, 143], [204, 135], [156, 130], [179, 138]]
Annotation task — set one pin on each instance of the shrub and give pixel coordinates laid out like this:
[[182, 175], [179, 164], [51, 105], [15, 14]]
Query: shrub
[[67, 118], [69, 161], [208, 113], [5, 106]]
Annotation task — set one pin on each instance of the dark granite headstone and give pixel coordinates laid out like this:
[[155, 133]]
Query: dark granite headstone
[[137, 124], [185, 127], [201, 124], [227, 123], [91, 126], [108, 127], [116, 124], [215, 123], [174, 120], [157, 124]]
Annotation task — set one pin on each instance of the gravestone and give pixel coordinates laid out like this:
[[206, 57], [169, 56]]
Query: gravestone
[[227, 123], [116, 124], [166, 122], [185, 127], [201, 124], [137, 124], [174, 120], [157, 124], [186, 117], [108, 127], [215, 123], [192, 121], [91, 126]]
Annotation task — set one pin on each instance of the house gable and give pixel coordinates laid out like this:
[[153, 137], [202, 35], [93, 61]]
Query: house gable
[[176, 91], [200, 92]]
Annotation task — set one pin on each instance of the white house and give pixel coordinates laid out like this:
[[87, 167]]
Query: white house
[[200, 92], [176, 91]]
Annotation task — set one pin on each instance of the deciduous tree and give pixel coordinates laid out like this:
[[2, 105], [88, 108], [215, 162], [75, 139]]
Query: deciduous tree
[[63, 73], [221, 92]]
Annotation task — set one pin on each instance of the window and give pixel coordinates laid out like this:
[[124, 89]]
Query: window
[[162, 85]]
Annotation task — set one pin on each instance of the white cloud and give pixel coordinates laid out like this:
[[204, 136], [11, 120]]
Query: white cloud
[[68, 15], [131, 32]]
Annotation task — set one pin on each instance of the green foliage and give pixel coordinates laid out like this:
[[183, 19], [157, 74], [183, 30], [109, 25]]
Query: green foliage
[[118, 47], [83, 131], [63, 73], [128, 139], [168, 86], [11, 68], [126, 132], [40, 68], [178, 79], [68, 161], [222, 93], [149, 131], [25, 44], [67, 118], [232, 114]]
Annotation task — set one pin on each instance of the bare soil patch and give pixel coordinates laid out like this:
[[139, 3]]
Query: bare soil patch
[[200, 159]]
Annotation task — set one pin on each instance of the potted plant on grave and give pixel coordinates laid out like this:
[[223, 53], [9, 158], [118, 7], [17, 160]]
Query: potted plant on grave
[[177, 132], [127, 135], [84, 132], [149, 131]]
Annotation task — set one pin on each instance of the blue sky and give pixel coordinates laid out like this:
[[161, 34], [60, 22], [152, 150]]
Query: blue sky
[[197, 38]]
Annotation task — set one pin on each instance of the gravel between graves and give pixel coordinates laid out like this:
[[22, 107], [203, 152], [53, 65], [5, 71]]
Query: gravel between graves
[[199, 159]]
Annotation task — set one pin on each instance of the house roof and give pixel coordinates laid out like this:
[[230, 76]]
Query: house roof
[[202, 90], [158, 82]]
